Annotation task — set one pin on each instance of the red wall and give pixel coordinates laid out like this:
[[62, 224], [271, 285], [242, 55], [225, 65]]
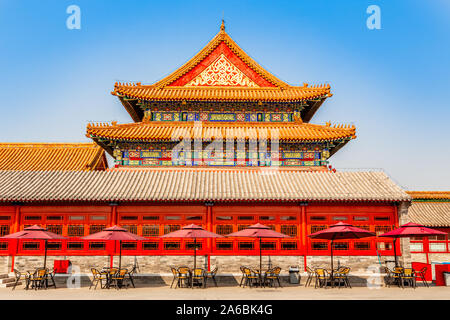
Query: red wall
[[151, 220]]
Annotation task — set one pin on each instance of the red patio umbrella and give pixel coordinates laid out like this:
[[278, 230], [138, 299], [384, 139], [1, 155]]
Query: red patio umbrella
[[340, 231], [114, 233], [35, 233], [260, 231], [410, 230], [192, 231]]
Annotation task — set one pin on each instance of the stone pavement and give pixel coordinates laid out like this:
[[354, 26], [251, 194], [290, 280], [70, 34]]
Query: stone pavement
[[229, 293]]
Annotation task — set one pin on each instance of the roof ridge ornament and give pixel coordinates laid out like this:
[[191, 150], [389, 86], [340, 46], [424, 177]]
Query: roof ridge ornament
[[222, 26]]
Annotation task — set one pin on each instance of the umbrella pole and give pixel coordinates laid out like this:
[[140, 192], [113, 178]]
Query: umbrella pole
[[45, 254], [332, 259], [395, 252], [120, 254], [260, 257], [195, 253]]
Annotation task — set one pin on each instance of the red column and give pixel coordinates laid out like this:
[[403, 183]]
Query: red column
[[16, 226], [113, 214], [304, 243], [209, 227], [396, 224]]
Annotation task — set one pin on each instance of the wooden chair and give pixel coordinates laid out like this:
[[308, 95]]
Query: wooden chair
[[341, 275], [272, 276], [251, 278], [310, 276], [408, 276], [321, 278], [211, 275], [198, 277], [118, 279], [38, 278], [184, 275], [175, 277], [21, 276], [420, 275], [397, 275], [97, 277], [130, 274], [243, 275]]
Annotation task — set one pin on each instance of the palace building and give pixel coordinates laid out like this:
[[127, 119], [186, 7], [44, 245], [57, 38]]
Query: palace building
[[222, 143]]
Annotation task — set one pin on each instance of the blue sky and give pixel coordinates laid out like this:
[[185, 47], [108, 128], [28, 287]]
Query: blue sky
[[391, 83]]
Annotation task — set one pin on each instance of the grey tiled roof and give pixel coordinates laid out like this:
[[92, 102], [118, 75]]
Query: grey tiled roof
[[184, 184]]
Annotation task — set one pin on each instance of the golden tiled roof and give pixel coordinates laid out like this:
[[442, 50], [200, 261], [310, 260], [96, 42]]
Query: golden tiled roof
[[52, 156], [161, 130], [152, 92], [274, 90], [425, 195], [184, 184]]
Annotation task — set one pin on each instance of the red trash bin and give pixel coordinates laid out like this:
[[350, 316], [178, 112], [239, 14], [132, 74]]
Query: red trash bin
[[61, 266], [439, 270]]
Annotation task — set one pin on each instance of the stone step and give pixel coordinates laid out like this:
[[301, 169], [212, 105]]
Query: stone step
[[9, 284], [7, 280], [4, 275]]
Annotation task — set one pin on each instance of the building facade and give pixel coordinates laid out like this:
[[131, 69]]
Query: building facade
[[221, 143]]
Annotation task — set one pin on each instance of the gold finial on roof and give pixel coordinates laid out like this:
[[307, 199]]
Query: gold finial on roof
[[222, 26]]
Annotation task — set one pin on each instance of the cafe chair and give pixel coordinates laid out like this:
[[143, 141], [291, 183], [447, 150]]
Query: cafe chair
[[273, 276], [309, 277], [420, 275], [211, 275], [341, 276], [321, 278], [118, 279], [184, 274], [97, 277], [21, 276], [38, 278], [408, 277], [198, 277]]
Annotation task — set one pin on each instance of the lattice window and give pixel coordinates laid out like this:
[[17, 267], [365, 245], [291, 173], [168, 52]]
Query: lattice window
[[319, 245], [4, 230], [172, 245], [129, 245], [128, 218], [190, 245], [130, 228], [265, 245], [317, 227], [28, 218], [245, 245], [224, 229], [54, 245], [30, 245], [243, 226], [289, 245], [55, 228], [362, 245], [150, 245], [94, 228], [382, 229], [224, 245], [150, 230], [171, 228], [289, 230], [75, 230], [74, 245], [96, 246], [384, 245], [4, 245], [364, 227], [340, 245]]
